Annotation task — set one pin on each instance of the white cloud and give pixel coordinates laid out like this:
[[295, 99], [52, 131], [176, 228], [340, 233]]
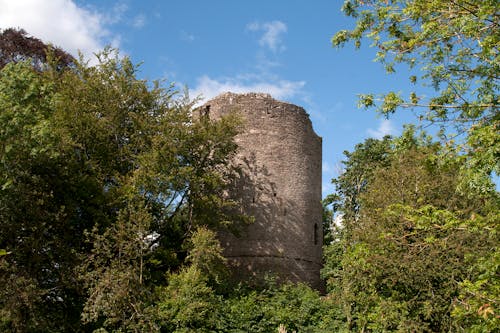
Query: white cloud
[[326, 167], [261, 79], [187, 37], [279, 89], [116, 13], [272, 36], [385, 128], [139, 21], [62, 23]]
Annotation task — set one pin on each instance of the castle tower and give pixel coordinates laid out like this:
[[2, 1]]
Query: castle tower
[[279, 184]]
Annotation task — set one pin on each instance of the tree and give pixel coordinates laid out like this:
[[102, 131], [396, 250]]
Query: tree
[[294, 306], [103, 179], [46, 201], [16, 45], [166, 174], [454, 45], [189, 302], [451, 46], [115, 273], [404, 262], [199, 298], [345, 203], [358, 170]]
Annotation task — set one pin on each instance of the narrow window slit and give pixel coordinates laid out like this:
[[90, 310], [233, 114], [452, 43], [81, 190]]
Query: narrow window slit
[[315, 234]]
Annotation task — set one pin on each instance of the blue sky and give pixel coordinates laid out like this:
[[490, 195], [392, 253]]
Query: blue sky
[[281, 47]]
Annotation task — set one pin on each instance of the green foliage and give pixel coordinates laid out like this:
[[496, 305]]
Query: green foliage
[[197, 299], [188, 303], [451, 46], [455, 44], [421, 209], [103, 178], [39, 224], [477, 306], [483, 145], [358, 169], [206, 255], [297, 307], [407, 261], [115, 273]]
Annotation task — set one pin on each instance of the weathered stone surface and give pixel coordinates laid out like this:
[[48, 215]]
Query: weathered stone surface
[[279, 184]]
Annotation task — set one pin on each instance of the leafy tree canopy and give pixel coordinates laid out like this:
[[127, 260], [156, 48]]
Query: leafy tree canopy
[[454, 44], [451, 46], [413, 253], [16, 45], [103, 178]]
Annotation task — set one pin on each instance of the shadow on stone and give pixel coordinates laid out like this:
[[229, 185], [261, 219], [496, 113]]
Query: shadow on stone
[[278, 183]]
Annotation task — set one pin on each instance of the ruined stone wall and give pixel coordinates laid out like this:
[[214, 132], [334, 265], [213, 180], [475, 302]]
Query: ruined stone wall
[[279, 183]]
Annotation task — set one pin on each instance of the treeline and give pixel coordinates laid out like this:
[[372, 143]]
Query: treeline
[[413, 254], [418, 246], [104, 178]]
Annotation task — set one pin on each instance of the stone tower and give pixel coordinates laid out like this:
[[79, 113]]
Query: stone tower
[[279, 184]]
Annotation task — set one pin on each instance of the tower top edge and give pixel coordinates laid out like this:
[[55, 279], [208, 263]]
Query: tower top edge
[[228, 99], [230, 96]]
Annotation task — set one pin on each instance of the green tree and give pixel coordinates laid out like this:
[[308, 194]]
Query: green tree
[[358, 168], [93, 150], [455, 43], [189, 303], [345, 203], [451, 46], [41, 217], [198, 298], [295, 306], [206, 255], [165, 173], [405, 261], [116, 275]]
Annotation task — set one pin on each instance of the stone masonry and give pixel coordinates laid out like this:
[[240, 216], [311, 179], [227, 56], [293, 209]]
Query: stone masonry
[[279, 184]]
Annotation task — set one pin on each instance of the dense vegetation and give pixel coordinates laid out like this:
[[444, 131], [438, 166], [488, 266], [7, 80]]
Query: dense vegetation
[[419, 246], [411, 246], [104, 178], [110, 195]]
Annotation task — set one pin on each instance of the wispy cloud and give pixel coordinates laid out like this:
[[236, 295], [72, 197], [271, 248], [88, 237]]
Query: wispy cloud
[[139, 21], [272, 34], [327, 168], [281, 89], [261, 78], [186, 36], [385, 128], [62, 23], [116, 13]]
